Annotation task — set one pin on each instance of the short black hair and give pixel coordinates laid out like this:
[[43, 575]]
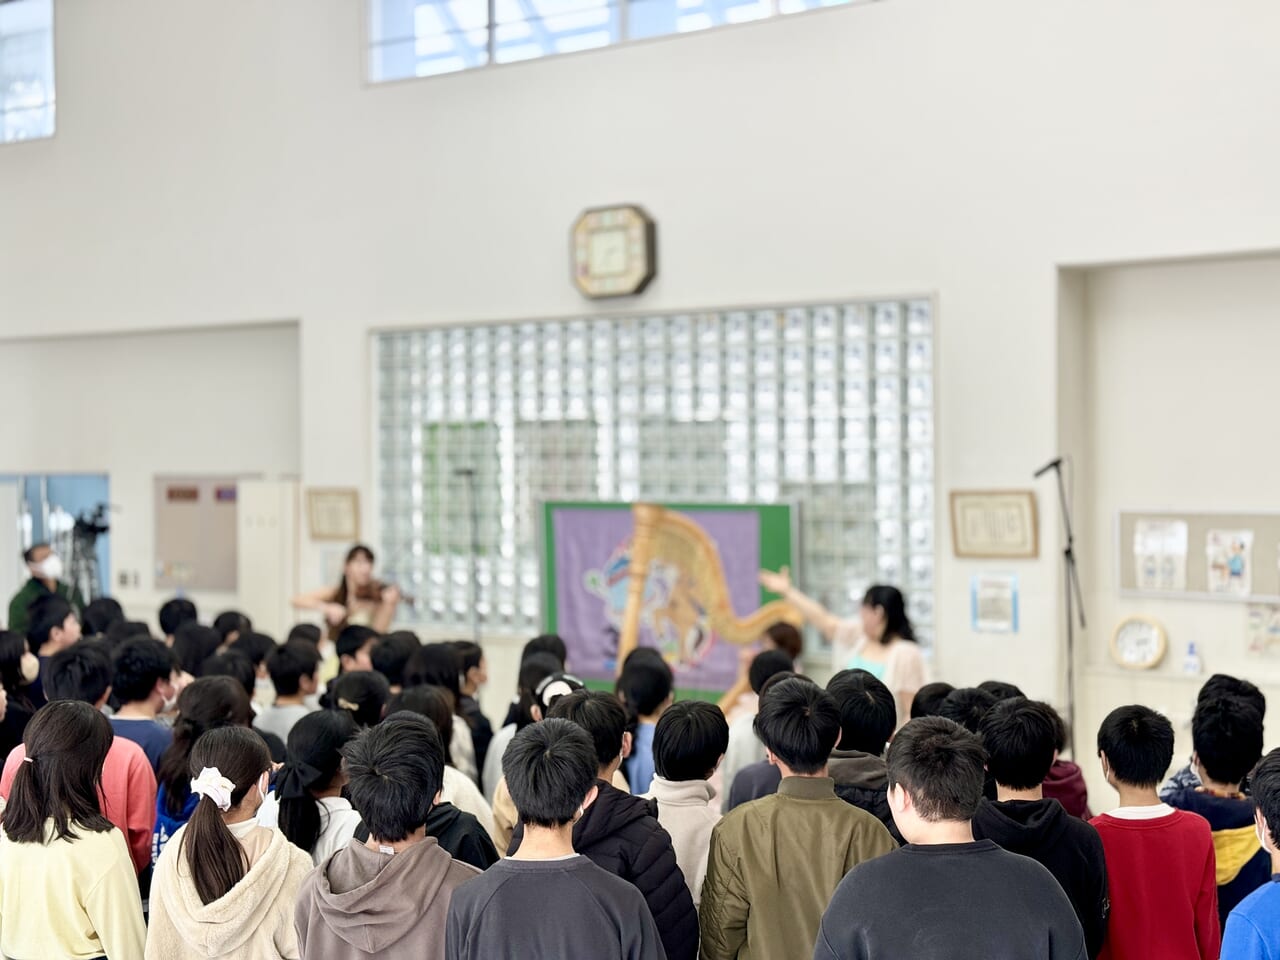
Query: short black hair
[[928, 699], [533, 670], [395, 770], [1020, 737], [123, 630], [967, 706], [549, 768], [193, 644], [47, 613], [800, 723], [434, 703], [546, 643], [600, 715], [645, 685], [353, 639], [100, 614], [29, 555], [231, 621], [390, 656], [1226, 733], [689, 740], [469, 654], [435, 664], [1223, 685], [80, 672], [289, 663], [309, 632], [256, 646], [175, 613], [765, 665], [234, 665], [139, 664], [941, 766], [362, 693], [1265, 790], [1001, 690], [868, 711], [1138, 743]]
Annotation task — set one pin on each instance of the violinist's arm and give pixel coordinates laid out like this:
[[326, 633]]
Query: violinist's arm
[[386, 611]]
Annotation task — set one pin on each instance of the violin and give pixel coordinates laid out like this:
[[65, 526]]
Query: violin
[[372, 592]]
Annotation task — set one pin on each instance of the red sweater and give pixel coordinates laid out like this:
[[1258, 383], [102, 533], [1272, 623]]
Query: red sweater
[[128, 794], [1164, 888]]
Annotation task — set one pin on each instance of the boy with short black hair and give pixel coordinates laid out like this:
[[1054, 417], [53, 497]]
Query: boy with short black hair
[[295, 674], [388, 896], [173, 614], [868, 717], [546, 899], [619, 832], [645, 688], [143, 681], [1161, 867], [1019, 736], [1253, 929], [745, 747], [1226, 733], [354, 645], [928, 699], [1217, 686], [688, 745], [390, 655], [967, 706], [775, 862], [946, 896]]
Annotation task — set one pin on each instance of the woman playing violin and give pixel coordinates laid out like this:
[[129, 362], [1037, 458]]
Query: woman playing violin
[[357, 599]]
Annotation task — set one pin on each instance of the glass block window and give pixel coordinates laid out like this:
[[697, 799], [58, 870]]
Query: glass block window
[[421, 38], [26, 70], [828, 407]]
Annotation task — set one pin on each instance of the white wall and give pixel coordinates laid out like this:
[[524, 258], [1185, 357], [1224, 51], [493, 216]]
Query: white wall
[[217, 401], [221, 164]]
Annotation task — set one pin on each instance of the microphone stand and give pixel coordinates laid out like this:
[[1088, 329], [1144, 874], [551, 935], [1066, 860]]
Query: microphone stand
[[1074, 597], [469, 474]]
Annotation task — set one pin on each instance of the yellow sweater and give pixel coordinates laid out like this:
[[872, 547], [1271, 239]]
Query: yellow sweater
[[74, 899]]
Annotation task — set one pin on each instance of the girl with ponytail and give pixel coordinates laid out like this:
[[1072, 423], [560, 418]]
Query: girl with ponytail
[[225, 886], [307, 803], [67, 882]]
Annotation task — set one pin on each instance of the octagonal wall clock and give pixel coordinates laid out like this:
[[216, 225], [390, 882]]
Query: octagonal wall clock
[[614, 251]]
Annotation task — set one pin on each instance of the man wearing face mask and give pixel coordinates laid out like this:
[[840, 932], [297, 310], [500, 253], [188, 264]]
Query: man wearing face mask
[[45, 567]]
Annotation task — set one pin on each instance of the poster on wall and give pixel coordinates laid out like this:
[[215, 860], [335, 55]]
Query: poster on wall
[[586, 564], [1264, 629], [1230, 559], [1160, 555], [993, 603]]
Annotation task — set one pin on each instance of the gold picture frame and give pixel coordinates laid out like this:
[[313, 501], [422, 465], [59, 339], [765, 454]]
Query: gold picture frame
[[333, 514], [995, 524]]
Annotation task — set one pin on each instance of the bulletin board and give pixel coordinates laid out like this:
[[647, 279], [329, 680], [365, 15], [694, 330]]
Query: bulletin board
[[1227, 557], [195, 533]]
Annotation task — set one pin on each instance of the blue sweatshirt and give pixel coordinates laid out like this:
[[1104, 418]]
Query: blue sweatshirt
[[1253, 929]]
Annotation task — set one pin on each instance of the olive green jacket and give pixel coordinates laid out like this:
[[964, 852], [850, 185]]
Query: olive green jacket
[[773, 866]]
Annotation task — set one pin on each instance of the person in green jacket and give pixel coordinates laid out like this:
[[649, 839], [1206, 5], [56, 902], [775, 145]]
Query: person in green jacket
[[775, 862], [46, 572]]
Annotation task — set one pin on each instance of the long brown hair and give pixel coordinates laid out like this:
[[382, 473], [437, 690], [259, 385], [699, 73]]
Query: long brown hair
[[66, 744], [340, 595], [207, 704], [214, 856]]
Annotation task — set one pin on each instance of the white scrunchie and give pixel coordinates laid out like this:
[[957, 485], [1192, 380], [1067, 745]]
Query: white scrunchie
[[212, 784]]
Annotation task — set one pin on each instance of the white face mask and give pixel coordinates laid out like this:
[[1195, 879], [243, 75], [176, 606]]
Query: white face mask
[[1262, 837], [30, 667], [51, 567]]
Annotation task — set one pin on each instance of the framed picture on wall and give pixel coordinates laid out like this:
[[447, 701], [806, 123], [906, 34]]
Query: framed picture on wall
[[334, 513], [995, 524]]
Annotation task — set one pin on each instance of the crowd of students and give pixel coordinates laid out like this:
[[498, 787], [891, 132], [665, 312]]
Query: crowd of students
[[218, 794]]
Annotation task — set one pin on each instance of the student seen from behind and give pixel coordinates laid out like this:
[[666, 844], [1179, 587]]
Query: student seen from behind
[[128, 785], [928, 700], [387, 896], [688, 744], [239, 668], [362, 693], [143, 682], [774, 863], [354, 646], [437, 664], [225, 886], [173, 614], [1020, 738], [744, 746], [868, 717], [646, 689], [1218, 686], [19, 669], [295, 674], [759, 779], [1253, 929], [1161, 867], [1226, 733], [946, 896], [67, 882], [548, 900], [534, 669]]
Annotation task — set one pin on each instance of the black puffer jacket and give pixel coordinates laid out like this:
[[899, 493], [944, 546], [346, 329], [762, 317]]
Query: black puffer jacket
[[620, 833], [862, 779]]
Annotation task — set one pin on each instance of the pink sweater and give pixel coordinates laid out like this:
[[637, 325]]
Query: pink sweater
[[128, 794]]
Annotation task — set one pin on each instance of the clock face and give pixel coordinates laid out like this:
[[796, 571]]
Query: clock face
[[1138, 644], [614, 252]]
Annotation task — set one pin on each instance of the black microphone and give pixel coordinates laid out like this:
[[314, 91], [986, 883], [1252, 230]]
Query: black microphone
[[464, 472], [1051, 465]]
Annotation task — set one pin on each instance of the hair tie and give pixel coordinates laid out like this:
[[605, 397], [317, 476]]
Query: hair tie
[[212, 784], [295, 779], [345, 704], [28, 759]]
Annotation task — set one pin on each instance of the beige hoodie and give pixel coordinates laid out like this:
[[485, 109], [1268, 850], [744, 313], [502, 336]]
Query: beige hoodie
[[253, 921]]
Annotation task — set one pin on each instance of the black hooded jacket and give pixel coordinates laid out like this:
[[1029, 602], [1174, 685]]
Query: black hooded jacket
[[620, 833], [1069, 848], [459, 834]]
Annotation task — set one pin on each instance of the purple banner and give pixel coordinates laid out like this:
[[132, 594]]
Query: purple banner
[[592, 557]]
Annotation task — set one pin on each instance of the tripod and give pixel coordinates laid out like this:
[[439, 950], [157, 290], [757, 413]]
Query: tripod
[[1074, 598]]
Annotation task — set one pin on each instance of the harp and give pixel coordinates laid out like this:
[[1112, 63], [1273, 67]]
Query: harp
[[671, 537]]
